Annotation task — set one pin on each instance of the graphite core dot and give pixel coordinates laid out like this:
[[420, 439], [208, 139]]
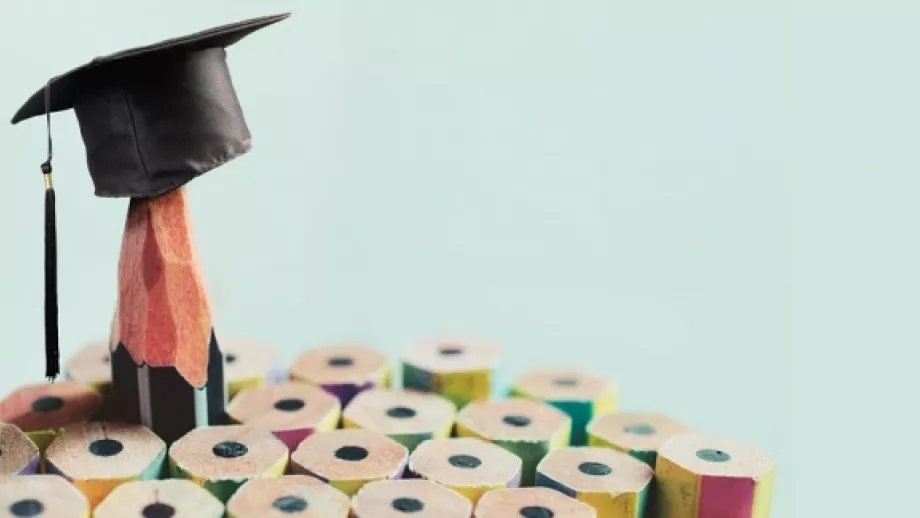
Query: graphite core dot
[[516, 420], [352, 453], [711, 455], [106, 447], [47, 404], [289, 405], [565, 382], [26, 508], [290, 504], [408, 505], [401, 412], [594, 468], [340, 361], [640, 429], [536, 511], [229, 449], [464, 461], [158, 510]]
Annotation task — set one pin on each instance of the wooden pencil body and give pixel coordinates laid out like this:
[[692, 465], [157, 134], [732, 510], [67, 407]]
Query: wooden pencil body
[[462, 371], [699, 476], [529, 429], [614, 483], [167, 366], [579, 393]]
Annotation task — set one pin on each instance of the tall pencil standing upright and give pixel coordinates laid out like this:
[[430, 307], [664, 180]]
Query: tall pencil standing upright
[[152, 119]]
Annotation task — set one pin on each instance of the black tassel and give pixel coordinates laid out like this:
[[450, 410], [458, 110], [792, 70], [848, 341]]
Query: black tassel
[[52, 353]]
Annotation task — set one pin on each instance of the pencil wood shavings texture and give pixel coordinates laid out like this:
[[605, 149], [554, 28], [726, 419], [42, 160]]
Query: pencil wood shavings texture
[[291, 411], [41, 410], [405, 416], [343, 370], [167, 366], [223, 458], [164, 317], [97, 457], [529, 429], [531, 502], [409, 498], [348, 459], [91, 366], [248, 364], [579, 393], [639, 434], [461, 370], [160, 499], [44, 496], [18, 454], [291, 495], [612, 482], [466, 465], [699, 476]]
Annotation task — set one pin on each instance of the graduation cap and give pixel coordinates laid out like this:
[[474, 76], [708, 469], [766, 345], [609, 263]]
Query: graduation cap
[[152, 118]]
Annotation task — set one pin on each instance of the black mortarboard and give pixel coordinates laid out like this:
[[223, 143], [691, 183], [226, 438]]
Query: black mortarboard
[[152, 118]]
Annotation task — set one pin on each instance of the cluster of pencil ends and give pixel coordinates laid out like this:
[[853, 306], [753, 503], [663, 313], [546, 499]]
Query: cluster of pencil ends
[[334, 436]]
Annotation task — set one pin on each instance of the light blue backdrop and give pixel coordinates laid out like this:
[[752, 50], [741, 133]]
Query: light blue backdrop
[[678, 194]]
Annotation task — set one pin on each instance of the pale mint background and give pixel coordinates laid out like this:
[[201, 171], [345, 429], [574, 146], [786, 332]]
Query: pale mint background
[[713, 202]]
